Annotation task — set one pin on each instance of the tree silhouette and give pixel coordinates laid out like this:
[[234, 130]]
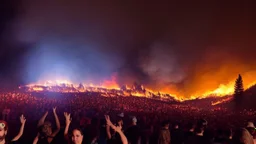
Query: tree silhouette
[[239, 90]]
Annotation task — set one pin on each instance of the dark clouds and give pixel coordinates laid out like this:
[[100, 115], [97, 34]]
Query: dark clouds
[[159, 43]]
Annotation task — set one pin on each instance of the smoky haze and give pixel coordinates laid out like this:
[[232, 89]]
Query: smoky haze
[[182, 48]]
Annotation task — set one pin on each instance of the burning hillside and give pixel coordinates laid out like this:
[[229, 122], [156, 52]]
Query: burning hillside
[[135, 90], [113, 88], [105, 90]]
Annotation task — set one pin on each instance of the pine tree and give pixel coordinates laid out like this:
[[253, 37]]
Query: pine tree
[[239, 90]]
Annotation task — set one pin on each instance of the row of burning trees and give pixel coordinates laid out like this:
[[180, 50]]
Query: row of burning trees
[[135, 90]]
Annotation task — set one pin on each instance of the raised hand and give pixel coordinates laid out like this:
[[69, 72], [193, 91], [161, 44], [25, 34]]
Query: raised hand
[[67, 117], [54, 110], [22, 119], [107, 120], [109, 123], [118, 129]]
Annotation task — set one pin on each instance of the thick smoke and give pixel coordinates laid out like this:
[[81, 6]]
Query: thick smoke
[[67, 43], [163, 68], [60, 61], [182, 49], [162, 65]]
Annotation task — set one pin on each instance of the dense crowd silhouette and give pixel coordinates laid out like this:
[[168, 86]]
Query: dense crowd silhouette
[[88, 118]]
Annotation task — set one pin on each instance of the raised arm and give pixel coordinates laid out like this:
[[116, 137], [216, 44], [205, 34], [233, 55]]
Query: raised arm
[[22, 121], [108, 131], [68, 121], [57, 123], [41, 121], [36, 139], [117, 129], [123, 137]]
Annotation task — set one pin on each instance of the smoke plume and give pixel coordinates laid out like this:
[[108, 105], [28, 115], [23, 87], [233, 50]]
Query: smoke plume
[[183, 49]]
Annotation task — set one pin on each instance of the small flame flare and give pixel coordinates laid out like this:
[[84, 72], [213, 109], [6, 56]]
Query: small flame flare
[[222, 101]]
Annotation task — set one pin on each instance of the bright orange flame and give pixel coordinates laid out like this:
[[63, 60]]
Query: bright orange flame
[[111, 84], [222, 90], [37, 89], [111, 88], [221, 101]]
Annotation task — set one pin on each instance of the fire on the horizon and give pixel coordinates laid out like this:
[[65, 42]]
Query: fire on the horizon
[[111, 88], [107, 89]]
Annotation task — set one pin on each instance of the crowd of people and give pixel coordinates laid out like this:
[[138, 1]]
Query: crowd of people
[[89, 118]]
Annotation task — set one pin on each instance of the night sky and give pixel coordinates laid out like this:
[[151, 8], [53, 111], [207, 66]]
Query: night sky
[[180, 46]]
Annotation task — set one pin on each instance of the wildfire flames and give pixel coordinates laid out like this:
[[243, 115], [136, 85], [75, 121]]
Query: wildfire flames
[[109, 88], [112, 88]]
